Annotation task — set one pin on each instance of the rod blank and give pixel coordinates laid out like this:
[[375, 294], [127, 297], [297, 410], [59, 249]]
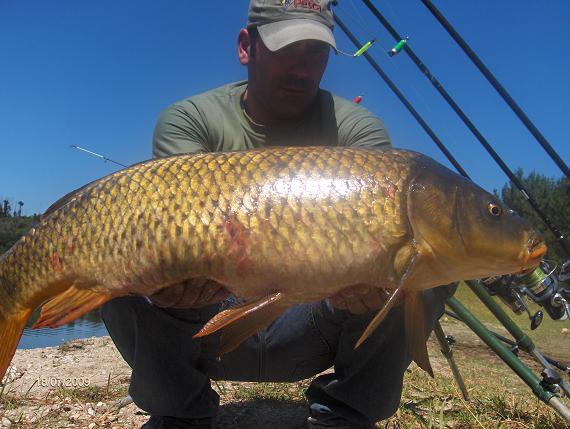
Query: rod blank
[[498, 87]]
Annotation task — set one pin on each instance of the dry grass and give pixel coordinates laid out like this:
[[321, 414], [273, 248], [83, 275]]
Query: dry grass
[[498, 399]]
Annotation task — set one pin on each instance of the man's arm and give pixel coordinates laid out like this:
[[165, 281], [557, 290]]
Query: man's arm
[[368, 131], [358, 127], [180, 129]]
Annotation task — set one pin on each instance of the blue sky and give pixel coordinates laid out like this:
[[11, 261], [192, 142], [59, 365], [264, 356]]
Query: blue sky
[[97, 74]]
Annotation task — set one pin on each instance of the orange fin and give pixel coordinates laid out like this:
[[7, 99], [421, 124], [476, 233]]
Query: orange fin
[[69, 305], [231, 315], [10, 332], [379, 317], [405, 280], [248, 325], [416, 331]]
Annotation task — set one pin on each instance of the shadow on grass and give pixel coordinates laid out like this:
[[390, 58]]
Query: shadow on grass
[[263, 413]]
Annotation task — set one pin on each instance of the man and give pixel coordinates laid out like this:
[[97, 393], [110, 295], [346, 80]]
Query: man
[[285, 48]]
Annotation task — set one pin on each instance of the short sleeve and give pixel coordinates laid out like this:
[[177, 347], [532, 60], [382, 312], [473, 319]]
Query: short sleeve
[[358, 126], [180, 129], [363, 129]]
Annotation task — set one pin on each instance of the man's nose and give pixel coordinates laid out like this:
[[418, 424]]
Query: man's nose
[[301, 60], [300, 69]]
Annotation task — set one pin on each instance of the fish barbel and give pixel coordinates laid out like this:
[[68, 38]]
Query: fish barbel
[[276, 227]]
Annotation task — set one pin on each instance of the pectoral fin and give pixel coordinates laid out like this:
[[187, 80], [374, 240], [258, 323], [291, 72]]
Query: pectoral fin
[[69, 305], [406, 268], [242, 321], [242, 329], [416, 331], [380, 316]]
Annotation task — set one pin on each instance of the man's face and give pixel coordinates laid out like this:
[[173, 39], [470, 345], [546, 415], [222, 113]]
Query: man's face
[[285, 82]]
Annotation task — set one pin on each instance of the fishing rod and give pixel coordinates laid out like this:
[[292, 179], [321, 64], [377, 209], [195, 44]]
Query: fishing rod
[[498, 87], [544, 285], [104, 158], [423, 68], [402, 98], [515, 347]]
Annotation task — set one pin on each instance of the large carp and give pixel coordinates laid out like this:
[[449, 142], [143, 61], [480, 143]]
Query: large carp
[[276, 227]]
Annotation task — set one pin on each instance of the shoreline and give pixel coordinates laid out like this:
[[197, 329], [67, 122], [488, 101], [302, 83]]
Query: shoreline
[[80, 384], [76, 384]]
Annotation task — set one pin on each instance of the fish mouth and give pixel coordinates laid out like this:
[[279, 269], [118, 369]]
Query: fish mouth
[[536, 251]]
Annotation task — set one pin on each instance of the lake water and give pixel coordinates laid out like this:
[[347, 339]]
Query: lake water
[[89, 325]]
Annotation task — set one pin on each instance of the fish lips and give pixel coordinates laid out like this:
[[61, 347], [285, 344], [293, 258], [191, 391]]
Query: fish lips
[[536, 251]]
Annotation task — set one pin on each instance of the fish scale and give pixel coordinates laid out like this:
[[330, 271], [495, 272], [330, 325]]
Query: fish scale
[[275, 226]]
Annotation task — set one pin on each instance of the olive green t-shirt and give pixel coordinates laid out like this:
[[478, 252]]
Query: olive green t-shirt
[[216, 121]]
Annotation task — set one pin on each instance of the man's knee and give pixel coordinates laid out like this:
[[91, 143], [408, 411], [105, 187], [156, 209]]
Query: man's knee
[[435, 299]]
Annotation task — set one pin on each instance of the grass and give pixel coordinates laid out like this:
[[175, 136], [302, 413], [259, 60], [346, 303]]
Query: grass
[[426, 402], [89, 393], [76, 394], [548, 337], [437, 403], [498, 399], [270, 391]]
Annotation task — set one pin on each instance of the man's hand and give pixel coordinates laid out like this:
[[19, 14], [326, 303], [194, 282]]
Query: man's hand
[[359, 299], [192, 293]]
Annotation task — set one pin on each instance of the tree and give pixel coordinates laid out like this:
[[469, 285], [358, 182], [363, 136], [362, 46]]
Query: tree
[[552, 196], [6, 209], [12, 228], [20, 204]]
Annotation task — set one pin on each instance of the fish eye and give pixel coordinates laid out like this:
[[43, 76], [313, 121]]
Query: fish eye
[[495, 209]]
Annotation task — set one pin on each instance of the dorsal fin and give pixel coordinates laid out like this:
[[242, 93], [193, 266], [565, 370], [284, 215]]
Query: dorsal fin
[[71, 195], [63, 201]]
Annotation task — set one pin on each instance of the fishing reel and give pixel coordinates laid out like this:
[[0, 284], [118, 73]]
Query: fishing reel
[[546, 286]]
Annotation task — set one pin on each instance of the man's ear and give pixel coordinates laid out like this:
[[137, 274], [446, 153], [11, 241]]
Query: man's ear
[[244, 47]]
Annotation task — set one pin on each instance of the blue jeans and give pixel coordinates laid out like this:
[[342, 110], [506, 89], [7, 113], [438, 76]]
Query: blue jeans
[[171, 372]]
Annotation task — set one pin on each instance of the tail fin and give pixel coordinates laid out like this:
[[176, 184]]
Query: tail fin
[[10, 332]]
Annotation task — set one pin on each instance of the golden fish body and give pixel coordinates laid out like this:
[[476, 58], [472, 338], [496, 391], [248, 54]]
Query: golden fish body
[[305, 218], [298, 223]]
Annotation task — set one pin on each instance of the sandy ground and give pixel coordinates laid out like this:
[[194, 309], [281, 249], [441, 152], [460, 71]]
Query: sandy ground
[[46, 378], [81, 385]]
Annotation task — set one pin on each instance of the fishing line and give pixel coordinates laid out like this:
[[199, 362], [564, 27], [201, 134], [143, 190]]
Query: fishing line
[[102, 157], [480, 138], [393, 52], [392, 12], [403, 99], [363, 26], [415, 89], [358, 21], [498, 87]]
